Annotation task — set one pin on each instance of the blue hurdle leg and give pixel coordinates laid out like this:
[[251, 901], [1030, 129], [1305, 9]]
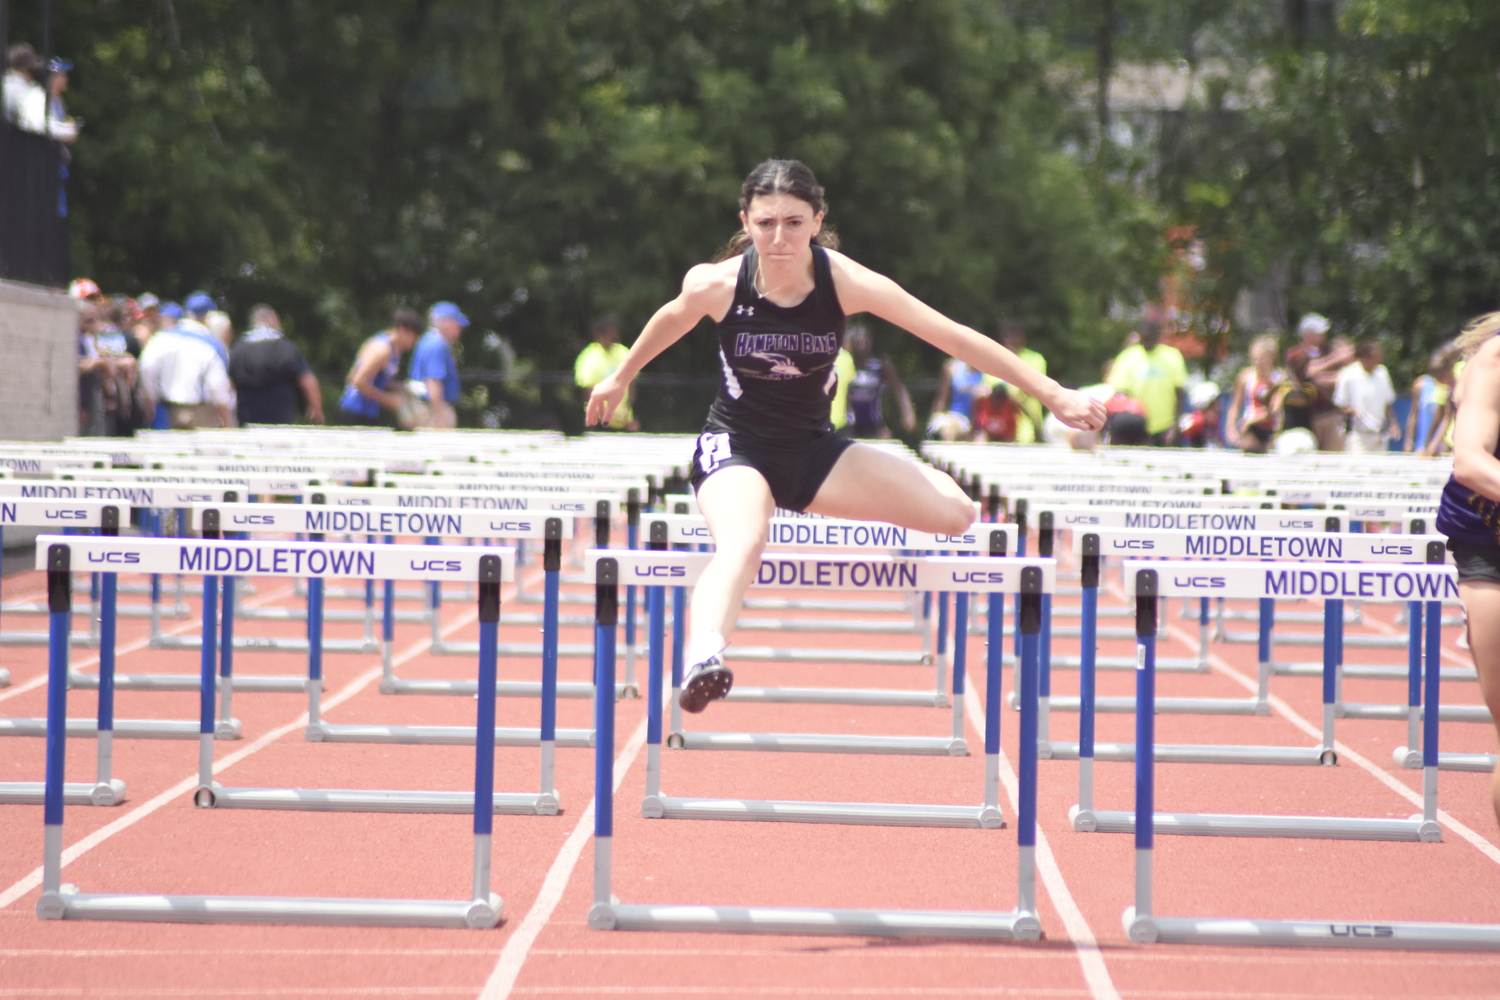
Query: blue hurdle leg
[[1265, 643], [208, 662], [960, 669], [1032, 627], [388, 632], [487, 906], [1430, 720], [109, 592], [993, 708], [679, 640], [435, 606], [1137, 920], [656, 637], [1087, 691], [942, 638], [1333, 627], [606, 615], [1044, 680], [226, 664], [315, 651], [551, 579], [59, 624]]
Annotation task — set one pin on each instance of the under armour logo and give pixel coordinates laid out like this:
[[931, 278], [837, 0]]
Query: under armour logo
[[744, 310]]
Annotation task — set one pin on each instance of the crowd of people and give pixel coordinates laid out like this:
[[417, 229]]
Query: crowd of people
[[1326, 395], [144, 363]]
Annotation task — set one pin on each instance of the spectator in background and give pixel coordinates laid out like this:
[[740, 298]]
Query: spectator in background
[[1292, 407], [268, 372], [843, 373], [1030, 417], [183, 379], [873, 376], [59, 126], [1323, 366], [147, 321], [25, 100], [434, 372], [199, 305], [953, 409], [367, 387], [1154, 374], [1251, 422], [1430, 397], [598, 361], [1364, 392]]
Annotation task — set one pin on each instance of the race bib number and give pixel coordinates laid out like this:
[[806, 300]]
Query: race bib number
[[713, 450]]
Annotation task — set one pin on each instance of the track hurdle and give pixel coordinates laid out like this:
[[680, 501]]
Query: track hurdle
[[1370, 581], [1291, 550], [1140, 920], [945, 572], [65, 902], [953, 745], [106, 789], [1020, 924]]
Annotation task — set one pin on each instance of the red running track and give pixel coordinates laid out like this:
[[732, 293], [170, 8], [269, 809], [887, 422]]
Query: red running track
[[158, 842]]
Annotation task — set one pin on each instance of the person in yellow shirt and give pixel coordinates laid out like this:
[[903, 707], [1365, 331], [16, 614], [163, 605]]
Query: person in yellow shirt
[[1029, 426], [1154, 374], [843, 370], [598, 361]]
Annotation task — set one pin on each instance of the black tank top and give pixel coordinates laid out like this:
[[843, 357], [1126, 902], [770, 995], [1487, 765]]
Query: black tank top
[[778, 362]]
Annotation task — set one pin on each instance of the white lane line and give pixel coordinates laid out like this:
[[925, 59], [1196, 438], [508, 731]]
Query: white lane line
[[135, 646], [513, 956], [1085, 945], [1286, 711], [140, 812]]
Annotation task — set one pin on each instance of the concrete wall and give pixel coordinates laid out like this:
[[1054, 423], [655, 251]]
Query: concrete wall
[[38, 363]]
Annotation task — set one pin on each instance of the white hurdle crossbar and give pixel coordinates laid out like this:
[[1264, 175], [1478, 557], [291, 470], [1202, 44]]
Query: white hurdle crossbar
[[1030, 578]]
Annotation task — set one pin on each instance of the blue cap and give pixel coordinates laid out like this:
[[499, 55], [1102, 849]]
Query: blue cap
[[199, 302], [447, 310], [59, 65], [171, 310]]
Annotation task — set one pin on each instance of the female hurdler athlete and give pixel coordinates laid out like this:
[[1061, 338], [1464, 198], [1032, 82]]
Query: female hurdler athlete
[[780, 302], [1469, 512]]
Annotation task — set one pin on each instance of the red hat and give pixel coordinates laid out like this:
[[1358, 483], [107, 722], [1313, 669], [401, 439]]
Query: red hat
[[82, 288]]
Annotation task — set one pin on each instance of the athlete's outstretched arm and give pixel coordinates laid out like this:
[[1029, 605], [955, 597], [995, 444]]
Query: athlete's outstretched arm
[[863, 290], [705, 292]]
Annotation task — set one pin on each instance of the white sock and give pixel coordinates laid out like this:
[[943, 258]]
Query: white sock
[[703, 646]]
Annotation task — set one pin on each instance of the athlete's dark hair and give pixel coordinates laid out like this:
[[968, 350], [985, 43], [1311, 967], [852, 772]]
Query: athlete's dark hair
[[791, 177], [407, 318]]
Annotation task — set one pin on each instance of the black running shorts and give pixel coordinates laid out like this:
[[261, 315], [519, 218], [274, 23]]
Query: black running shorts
[[794, 470], [1476, 562]]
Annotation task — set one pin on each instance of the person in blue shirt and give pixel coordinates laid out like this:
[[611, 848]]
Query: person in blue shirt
[[367, 388], [434, 372]]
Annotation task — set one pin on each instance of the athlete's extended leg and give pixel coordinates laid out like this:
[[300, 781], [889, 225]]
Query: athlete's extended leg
[[1482, 608], [736, 502], [867, 484]]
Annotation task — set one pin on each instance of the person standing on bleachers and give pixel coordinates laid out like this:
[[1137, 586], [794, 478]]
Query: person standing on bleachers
[[182, 374]]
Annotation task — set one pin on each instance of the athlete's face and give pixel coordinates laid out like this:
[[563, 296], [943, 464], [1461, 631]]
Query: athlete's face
[[781, 226]]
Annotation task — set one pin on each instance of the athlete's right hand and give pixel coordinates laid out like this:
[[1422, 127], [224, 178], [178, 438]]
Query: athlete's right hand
[[605, 399]]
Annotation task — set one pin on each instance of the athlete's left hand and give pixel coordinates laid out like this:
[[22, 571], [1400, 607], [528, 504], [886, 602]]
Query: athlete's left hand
[[1077, 410]]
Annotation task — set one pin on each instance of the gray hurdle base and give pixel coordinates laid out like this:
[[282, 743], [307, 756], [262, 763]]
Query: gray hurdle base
[[608, 913]]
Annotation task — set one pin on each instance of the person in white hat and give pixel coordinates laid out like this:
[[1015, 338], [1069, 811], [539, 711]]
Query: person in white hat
[[1323, 367]]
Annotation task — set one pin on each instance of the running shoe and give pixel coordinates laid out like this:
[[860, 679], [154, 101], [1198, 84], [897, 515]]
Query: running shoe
[[705, 682]]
